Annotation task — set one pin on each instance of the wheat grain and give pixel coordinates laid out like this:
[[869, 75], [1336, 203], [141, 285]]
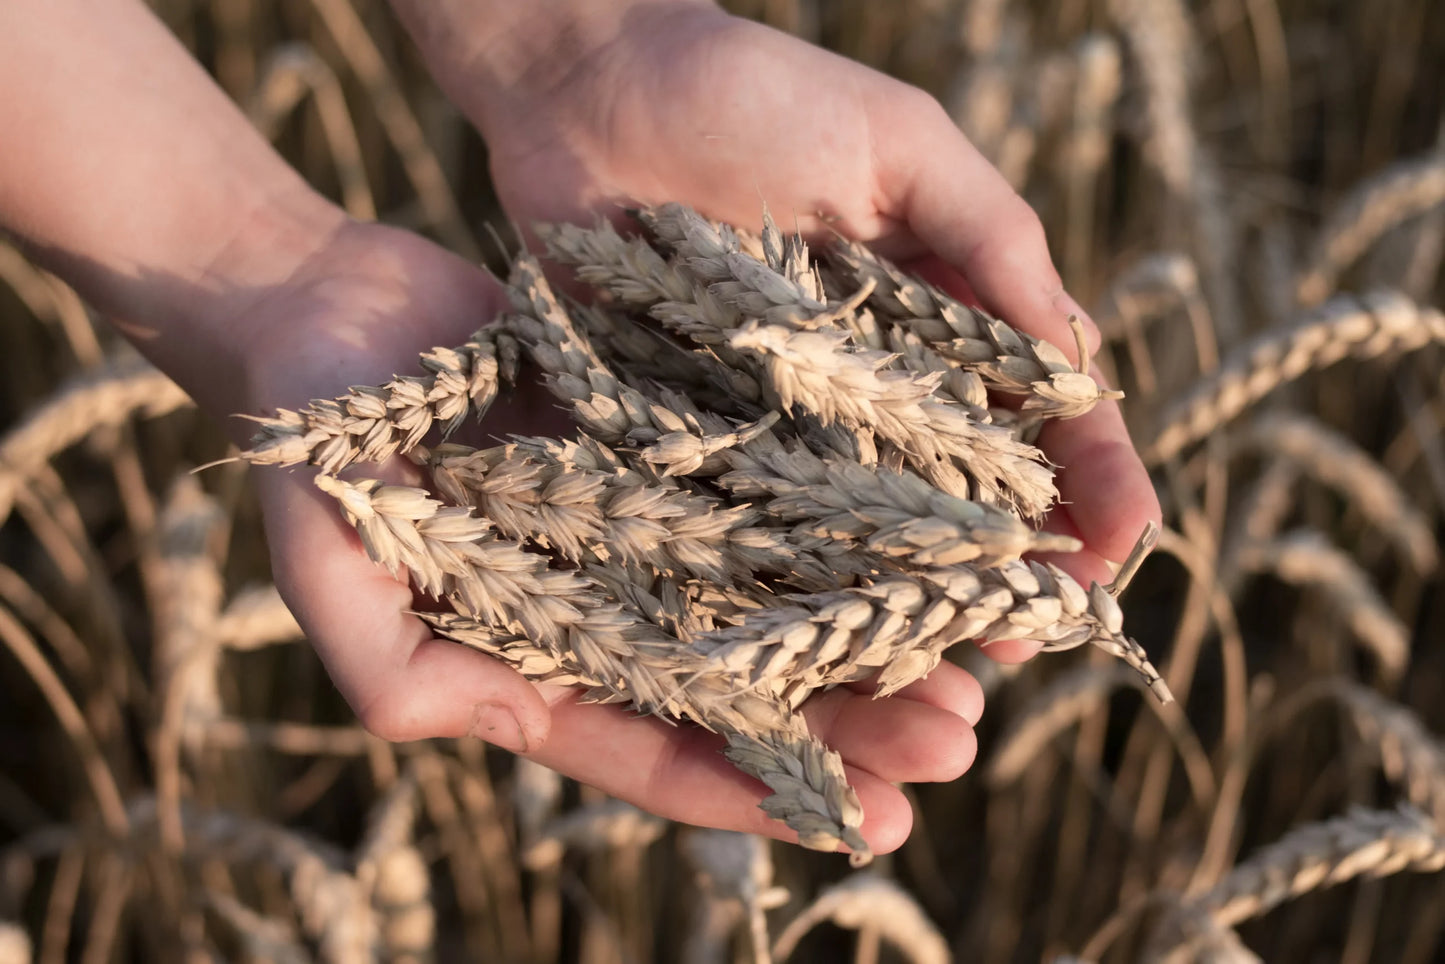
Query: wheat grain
[[392, 871], [1005, 359], [1048, 713], [556, 625], [373, 424], [899, 627], [329, 900], [254, 618], [1409, 753], [264, 938]]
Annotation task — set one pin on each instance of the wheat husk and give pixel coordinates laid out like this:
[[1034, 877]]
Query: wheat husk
[[106, 397]]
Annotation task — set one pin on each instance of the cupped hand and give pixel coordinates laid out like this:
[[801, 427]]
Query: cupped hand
[[359, 310], [683, 102]]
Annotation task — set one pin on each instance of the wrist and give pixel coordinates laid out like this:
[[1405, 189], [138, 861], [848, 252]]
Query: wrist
[[500, 61]]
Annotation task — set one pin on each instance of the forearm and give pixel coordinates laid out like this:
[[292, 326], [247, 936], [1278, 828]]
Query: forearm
[[497, 59], [128, 172]]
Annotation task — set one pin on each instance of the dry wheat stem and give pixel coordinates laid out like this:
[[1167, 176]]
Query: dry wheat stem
[[899, 627], [263, 938], [896, 514], [254, 618], [329, 900], [734, 872], [661, 607], [590, 515], [1005, 359], [1346, 327], [594, 828]]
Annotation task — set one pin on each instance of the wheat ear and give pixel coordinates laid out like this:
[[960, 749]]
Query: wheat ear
[[1306, 558], [372, 424], [1340, 463], [1399, 192], [109, 396], [1345, 327], [1368, 843], [874, 906]]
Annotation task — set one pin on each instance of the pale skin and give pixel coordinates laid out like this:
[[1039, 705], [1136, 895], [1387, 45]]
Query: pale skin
[[129, 173]]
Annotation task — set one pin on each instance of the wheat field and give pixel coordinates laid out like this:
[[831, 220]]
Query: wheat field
[[1249, 198]]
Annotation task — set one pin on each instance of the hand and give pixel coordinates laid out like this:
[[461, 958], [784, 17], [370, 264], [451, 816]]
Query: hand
[[356, 311], [679, 101]]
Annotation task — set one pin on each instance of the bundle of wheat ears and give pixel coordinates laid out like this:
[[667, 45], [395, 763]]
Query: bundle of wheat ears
[[788, 474]]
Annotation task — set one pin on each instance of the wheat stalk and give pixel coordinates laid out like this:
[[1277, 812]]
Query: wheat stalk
[[1409, 753], [899, 627], [556, 625], [641, 583]]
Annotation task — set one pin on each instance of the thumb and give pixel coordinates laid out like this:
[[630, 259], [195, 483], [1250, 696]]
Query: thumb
[[962, 210], [402, 682]]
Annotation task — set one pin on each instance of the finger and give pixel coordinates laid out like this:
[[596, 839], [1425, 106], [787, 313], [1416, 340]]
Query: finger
[[948, 687], [679, 772], [962, 209], [899, 740], [1103, 483], [402, 683]]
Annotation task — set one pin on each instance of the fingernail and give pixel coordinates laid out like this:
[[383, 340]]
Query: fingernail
[[497, 724]]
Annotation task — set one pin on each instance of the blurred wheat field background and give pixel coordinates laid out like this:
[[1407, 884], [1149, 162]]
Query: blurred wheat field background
[[1248, 195]]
